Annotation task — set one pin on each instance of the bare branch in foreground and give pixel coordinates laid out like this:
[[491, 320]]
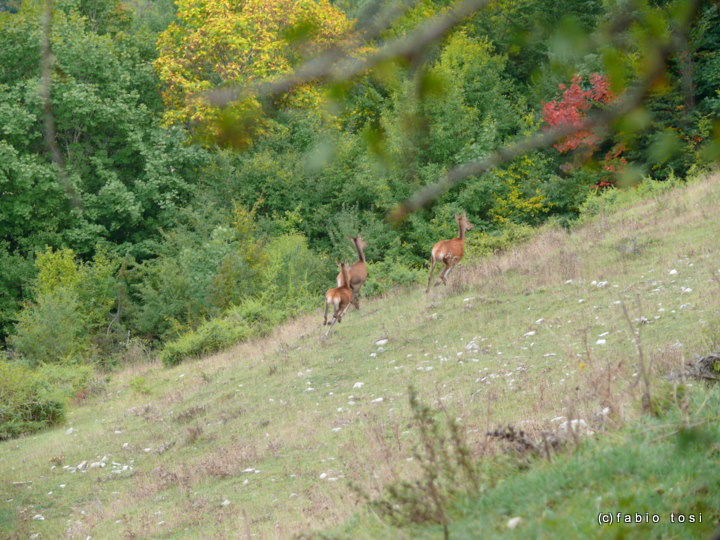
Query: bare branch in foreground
[[335, 66], [655, 68], [46, 65]]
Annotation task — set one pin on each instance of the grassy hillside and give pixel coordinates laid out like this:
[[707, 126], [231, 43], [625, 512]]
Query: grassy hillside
[[264, 440]]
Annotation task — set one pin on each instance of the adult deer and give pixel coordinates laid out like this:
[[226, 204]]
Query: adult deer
[[340, 297], [449, 252], [358, 271]]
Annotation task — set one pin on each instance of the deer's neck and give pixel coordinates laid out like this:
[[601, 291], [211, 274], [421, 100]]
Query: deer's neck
[[360, 253], [461, 232]]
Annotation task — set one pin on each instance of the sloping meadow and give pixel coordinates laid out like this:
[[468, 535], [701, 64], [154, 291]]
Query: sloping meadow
[[543, 346]]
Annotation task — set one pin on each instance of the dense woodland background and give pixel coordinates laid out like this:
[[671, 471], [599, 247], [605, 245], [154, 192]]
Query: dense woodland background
[[184, 228]]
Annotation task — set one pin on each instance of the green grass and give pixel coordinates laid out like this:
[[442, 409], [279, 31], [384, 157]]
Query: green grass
[[190, 439], [650, 473]]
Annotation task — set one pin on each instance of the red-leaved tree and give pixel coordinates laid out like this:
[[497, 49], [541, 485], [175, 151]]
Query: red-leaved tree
[[571, 109]]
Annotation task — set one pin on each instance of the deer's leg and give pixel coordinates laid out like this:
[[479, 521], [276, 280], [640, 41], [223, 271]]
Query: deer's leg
[[355, 298], [441, 277], [336, 312], [447, 272], [326, 310], [344, 311], [330, 325], [432, 268]]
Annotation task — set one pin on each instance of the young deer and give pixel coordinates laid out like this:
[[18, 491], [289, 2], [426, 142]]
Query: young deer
[[340, 297], [358, 271], [449, 251]]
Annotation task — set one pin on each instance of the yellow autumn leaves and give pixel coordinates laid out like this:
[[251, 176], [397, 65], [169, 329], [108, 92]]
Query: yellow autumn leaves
[[216, 43]]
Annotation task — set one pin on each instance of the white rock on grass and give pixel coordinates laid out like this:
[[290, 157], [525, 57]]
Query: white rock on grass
[[601, 342], [578, 426], [381, 342], [514, 522], [38, 517], [673, 272], [358, 385]]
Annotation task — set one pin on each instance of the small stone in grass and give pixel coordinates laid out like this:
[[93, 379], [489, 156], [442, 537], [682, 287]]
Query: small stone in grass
[[514, 522]]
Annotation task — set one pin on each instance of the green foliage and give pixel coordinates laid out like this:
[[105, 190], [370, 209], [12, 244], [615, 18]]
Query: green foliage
[[209, 337], [293, 275], [482, 245], [139, 384], [384, 276], [31, 400], [124, 166], [291, 280], [606, 200], [201, 270], [72, 303], [15, 272], [51, 329], [711, 333]]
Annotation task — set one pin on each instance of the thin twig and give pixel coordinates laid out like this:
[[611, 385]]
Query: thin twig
[[646, 401], [334, 66], [46, 65], [634, 97]]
